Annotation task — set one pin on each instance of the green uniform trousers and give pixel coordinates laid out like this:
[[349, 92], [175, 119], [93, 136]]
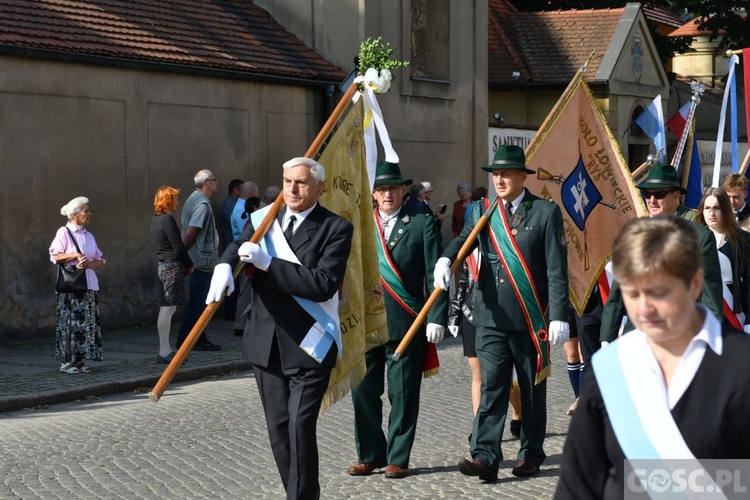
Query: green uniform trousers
[[498, 352], [404, 384]]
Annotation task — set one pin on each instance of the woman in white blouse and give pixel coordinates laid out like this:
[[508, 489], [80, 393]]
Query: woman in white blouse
[[715, 211], [671, 393]]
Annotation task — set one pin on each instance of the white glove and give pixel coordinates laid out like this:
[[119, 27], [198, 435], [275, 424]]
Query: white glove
[[435, 332], [746, 328], [453, 329], [220, 281], [252, 253], [442, 273], [604, 343], [559, 332]]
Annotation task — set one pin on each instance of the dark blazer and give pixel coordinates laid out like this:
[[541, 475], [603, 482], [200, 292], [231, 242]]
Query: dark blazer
[[744, 213], [415, 205], [414, 245], [712, 295], [711, 416], [541, 239], [322, 244], [740, 274]]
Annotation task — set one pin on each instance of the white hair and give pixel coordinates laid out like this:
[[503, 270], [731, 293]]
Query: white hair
[[201, 177], [73, 206], [316, 169]]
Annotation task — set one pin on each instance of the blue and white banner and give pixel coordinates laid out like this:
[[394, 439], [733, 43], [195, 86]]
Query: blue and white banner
[[651, 122]]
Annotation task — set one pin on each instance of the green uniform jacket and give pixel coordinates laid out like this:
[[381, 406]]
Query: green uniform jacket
[[415, 246], [541, 240], [711, 293]]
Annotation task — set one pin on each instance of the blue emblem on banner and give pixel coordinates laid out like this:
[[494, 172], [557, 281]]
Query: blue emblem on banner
[[579, 194]]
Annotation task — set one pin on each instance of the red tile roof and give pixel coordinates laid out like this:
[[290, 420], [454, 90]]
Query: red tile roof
[[546, 48], [227, 35], [690, 28], [662, 15]]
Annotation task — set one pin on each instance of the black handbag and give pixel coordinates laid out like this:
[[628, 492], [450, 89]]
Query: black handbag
[[70, 279]]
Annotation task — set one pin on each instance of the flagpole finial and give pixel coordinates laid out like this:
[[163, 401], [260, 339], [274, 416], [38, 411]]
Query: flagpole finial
[[698, 89], [588, 59]]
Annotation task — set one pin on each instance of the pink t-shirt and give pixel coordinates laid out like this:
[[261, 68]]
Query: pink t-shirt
[[86, 242]]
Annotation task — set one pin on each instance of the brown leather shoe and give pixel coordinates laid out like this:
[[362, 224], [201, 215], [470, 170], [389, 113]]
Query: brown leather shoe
[[525, 468], [395, 472], [476, 468], [365, 469]]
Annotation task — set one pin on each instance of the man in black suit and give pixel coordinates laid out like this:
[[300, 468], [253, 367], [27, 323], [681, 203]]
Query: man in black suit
[[736, 187], [281, 338]]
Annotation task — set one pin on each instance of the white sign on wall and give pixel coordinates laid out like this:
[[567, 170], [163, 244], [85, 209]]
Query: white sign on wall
[[501, 136]]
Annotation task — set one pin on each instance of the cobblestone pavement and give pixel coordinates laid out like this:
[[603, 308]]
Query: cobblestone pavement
[[207, 438], [30, 376]]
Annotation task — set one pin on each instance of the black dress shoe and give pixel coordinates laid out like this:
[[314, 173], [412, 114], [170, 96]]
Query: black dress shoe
[[206, 345], [515, 428], [524, 468], [476, 468]]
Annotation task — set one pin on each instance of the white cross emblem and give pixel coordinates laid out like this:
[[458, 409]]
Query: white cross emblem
[[579, 193]]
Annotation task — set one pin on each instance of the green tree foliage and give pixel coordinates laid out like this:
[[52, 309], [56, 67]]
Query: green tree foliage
[[725, 18]]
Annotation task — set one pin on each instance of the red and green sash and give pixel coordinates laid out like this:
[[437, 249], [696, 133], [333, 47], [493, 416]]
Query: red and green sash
[[393, 284], [523, 285]]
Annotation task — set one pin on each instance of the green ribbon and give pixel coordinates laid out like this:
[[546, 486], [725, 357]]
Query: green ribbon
[[523, 284]]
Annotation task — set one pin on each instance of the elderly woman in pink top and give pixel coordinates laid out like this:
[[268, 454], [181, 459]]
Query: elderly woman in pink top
[[78, 335]]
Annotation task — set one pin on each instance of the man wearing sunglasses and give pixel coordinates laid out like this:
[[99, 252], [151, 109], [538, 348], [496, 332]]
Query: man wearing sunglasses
[[661, 192]]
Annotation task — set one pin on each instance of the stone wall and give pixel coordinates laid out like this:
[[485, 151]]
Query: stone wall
[[114, 136]]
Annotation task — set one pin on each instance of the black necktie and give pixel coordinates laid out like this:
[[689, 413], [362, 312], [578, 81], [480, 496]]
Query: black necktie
[[509, 210], [289, 231]]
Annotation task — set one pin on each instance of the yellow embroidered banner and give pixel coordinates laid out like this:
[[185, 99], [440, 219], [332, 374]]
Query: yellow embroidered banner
[[361, 308], [580, 167]]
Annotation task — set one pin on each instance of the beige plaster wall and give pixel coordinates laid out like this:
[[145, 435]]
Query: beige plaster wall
[[438, 129], [115, 135]]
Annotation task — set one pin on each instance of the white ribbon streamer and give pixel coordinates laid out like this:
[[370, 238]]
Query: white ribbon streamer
[[375, 82]]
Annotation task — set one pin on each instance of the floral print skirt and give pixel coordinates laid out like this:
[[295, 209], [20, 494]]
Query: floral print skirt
[[172, 276], [78, 334]]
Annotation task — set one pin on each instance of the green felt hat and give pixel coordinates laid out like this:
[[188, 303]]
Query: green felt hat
[[507, 157], [662, 177], [388, 174]]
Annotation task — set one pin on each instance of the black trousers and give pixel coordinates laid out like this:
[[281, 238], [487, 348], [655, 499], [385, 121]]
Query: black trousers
[[291, 402], [589, 326]]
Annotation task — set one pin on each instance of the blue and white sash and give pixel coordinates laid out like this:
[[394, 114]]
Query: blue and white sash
[[325, 331], [633, 396]]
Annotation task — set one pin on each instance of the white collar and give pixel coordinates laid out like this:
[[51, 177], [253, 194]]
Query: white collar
[[709, 335], [387, 218], [299, 217], [517, 201]]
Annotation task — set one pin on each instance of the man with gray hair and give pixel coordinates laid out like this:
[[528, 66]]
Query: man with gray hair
[[298, 272], [270, 194], [201, 238], [416, 202]]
